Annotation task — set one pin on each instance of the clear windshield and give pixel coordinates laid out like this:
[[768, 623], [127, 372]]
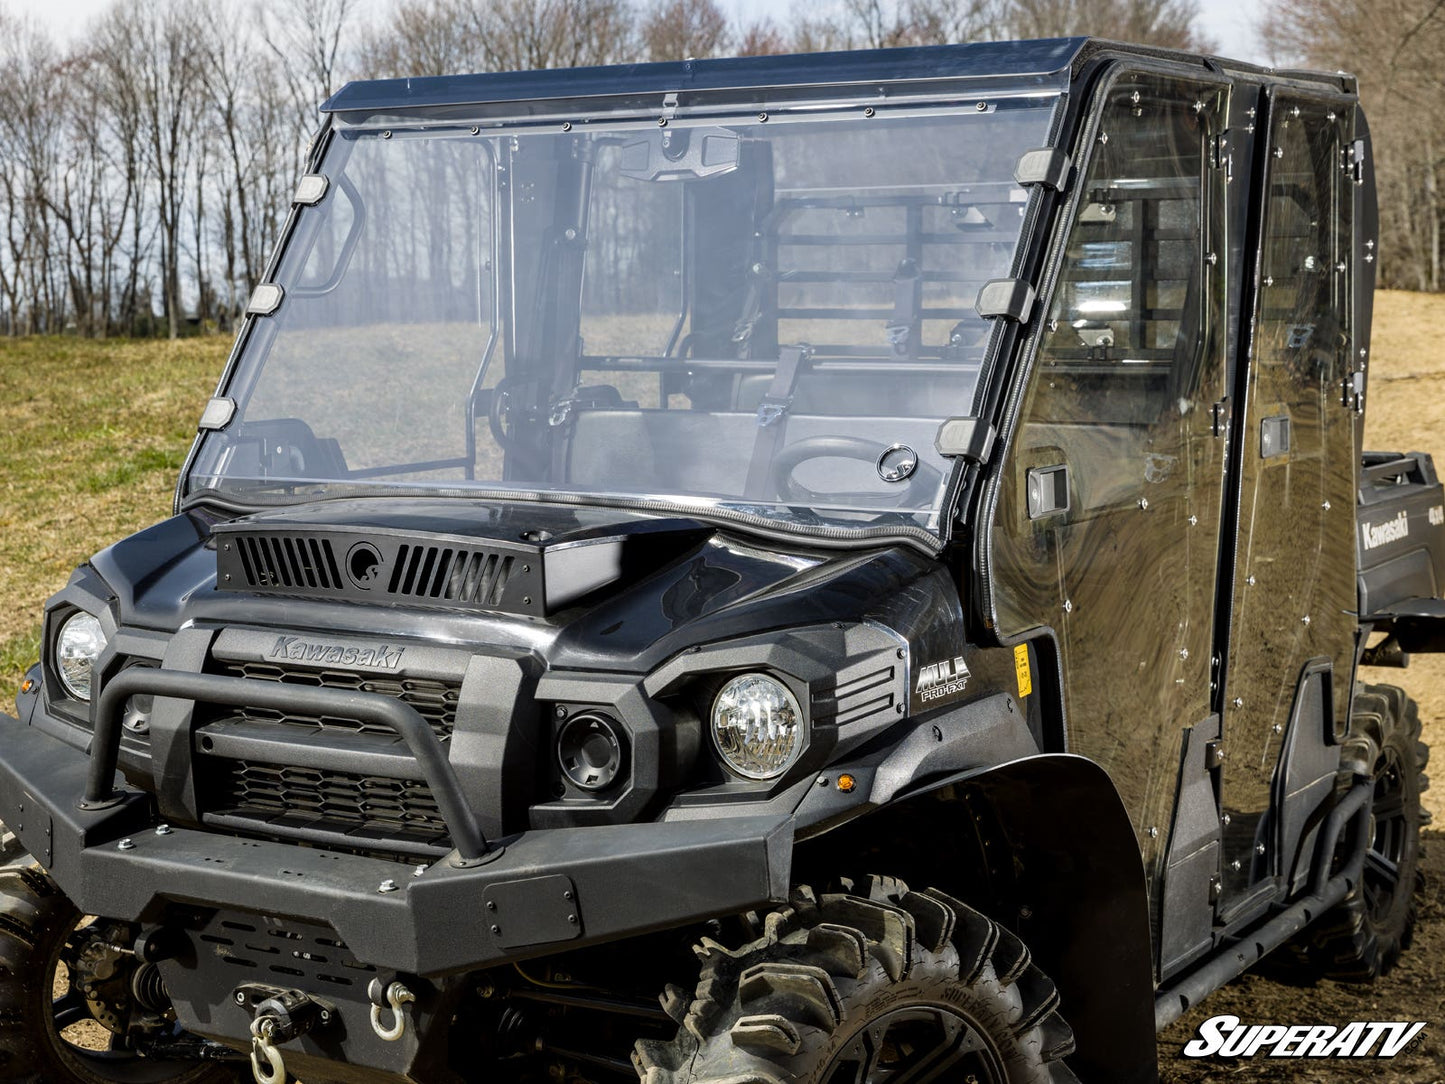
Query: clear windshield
[[770, 316]]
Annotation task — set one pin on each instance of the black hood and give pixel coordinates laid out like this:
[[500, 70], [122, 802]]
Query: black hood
[[586, 588]]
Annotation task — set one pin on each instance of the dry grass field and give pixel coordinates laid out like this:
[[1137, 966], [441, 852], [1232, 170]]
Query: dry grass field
[[91, 435]]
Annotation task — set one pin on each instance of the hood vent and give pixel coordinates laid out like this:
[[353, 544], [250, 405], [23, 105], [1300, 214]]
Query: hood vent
[[380, 566], [288, 561], [451, 575]]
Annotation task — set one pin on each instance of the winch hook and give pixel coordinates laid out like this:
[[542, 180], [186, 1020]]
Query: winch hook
[[267, 1065]]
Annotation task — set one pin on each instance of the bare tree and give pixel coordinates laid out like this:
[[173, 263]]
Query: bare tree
[[1166, 23], [1397, 44], [679, 29]]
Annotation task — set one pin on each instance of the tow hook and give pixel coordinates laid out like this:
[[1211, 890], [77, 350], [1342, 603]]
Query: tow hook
[[277, 1016], [394, 995]]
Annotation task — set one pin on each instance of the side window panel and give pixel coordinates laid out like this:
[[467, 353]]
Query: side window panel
[[1107, 520]]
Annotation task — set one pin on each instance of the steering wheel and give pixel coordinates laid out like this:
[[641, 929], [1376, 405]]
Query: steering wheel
[[922, 484]]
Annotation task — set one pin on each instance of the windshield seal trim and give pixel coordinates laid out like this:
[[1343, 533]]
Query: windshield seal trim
[[818, 535]]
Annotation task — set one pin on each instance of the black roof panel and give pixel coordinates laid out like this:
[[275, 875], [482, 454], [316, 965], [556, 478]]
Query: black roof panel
[[1021, 59]]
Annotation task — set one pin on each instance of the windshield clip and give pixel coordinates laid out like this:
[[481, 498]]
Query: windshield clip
[[561, 413], [773, 409]]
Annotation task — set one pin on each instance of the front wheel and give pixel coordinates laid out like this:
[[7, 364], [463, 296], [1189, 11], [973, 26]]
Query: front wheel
[[866, 986], [67, 1008]]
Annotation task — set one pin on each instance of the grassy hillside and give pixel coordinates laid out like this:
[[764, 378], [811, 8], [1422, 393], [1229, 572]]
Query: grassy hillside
[[91, 437]]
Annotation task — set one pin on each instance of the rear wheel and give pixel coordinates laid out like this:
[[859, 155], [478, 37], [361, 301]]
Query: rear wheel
[[1363, 936], [866, 986], [62, 1006]]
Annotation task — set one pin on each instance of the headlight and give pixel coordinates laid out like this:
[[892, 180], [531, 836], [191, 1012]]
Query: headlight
[[757, 726], [76, 648]]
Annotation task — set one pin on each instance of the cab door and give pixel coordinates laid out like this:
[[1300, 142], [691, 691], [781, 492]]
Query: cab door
[[1105, 533], [1291, 640]]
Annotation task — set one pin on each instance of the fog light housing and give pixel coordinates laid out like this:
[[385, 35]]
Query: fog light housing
[[77, 648], [757, 727], [590, 750]]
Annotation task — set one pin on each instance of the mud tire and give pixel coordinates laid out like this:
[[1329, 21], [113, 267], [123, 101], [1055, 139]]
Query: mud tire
[[1362, 937], [35, 920], [832, 978]]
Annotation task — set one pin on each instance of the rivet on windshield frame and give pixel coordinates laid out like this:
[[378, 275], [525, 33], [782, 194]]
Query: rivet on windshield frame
[[662, 122], [566, 126], [868, 111], [982, 107], [386, 134], [476, 130], [762, 118]]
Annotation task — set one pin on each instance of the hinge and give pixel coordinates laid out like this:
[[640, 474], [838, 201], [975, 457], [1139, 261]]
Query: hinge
[[1219, 417], [1047, 167], [1011, 299], [1220, 156], [1214, 755], [1352, 392], [1357, 160]]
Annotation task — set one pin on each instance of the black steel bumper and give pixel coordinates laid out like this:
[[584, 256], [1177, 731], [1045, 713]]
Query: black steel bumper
[[547, 891]]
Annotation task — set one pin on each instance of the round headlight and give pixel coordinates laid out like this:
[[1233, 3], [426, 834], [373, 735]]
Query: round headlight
[[757, 726], [76, 648]]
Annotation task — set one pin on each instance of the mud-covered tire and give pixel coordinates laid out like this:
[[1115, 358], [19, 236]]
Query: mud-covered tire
[[35, 920], [839, 983], [1362, 938]]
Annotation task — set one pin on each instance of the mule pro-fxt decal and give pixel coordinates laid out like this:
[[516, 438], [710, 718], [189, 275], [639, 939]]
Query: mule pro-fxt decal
[[939, 683]]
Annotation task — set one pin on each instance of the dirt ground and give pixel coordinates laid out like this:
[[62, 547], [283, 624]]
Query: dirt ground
[[1406, 412]]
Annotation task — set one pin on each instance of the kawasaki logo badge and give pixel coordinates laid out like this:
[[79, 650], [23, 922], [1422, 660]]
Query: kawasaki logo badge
[[380, 657], [941, 680], [1377, 534]]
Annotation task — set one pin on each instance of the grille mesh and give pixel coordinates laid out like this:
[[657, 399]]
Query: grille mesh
[[367, 808], [434, 701]]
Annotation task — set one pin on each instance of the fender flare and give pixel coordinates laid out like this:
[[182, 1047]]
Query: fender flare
[[1078, 896]]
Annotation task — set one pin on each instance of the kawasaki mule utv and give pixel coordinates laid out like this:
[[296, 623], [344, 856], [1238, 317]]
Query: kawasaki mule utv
[[845, 568]]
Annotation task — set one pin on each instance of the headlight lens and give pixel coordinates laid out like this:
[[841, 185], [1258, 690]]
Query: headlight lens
[[757, 726], [79, 644]]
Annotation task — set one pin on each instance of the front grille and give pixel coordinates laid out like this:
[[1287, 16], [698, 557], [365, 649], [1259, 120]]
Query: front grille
[[434, 701], [375, 811]]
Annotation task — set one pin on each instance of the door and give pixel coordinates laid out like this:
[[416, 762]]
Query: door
[[1291, 641], [1106, 525]]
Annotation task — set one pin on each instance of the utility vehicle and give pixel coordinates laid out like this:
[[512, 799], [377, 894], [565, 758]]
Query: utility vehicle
[[842, 568]]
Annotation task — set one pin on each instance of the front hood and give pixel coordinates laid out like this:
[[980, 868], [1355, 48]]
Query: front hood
[[585, 588]]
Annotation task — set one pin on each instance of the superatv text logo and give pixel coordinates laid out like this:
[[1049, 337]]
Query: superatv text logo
[[1228, 1037], [941, 679], [1377, 534], [381, 656]]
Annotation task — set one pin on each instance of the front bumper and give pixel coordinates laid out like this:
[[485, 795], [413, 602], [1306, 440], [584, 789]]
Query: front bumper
[[625, 879]]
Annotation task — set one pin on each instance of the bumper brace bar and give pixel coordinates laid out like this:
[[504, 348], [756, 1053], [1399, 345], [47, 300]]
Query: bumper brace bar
[[373, 708]]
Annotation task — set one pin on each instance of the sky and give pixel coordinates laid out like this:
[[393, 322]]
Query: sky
[[1229, 22]]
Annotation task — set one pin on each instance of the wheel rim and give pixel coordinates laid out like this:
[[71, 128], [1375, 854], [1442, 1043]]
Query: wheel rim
[[1389, 838], [86, 1046], [914, 1045]]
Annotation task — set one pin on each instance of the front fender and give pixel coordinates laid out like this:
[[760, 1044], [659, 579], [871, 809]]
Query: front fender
[[1070, 881]]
